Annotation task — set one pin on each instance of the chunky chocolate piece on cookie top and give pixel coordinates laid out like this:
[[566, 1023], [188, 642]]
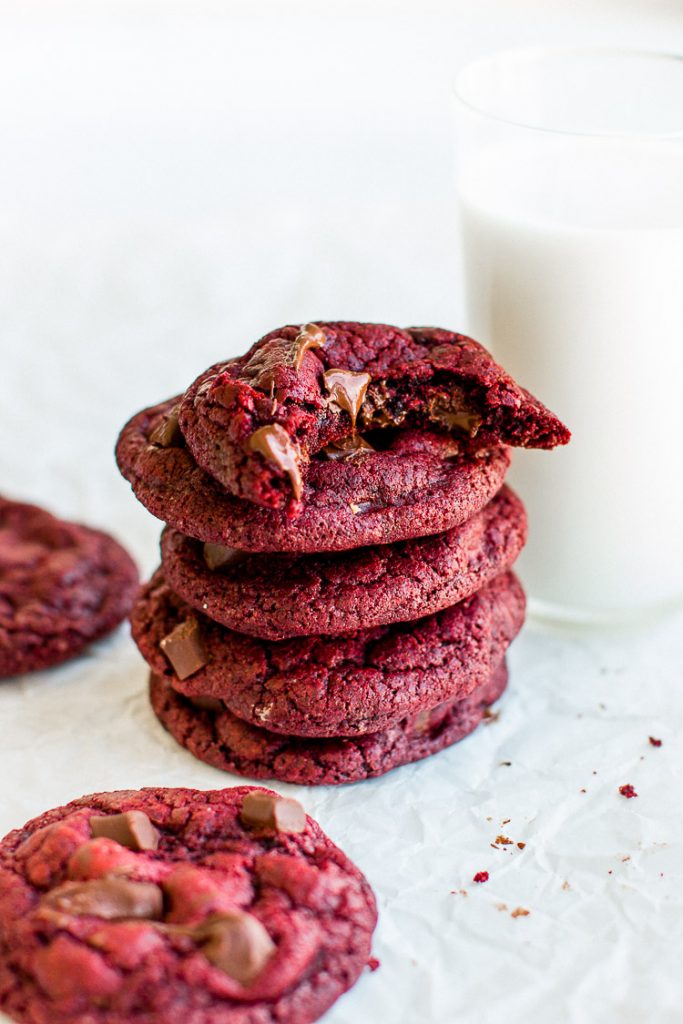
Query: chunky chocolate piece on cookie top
[[132, 829], [207, 918], [264, 810], [255, 423]]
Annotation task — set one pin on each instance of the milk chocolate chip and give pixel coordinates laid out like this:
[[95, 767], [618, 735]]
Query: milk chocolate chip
[[110, 898], [167, 434], [275, 445], [261, 810], [132, 829], [347, 388], [237, 944], [184, 648], [310, 336]]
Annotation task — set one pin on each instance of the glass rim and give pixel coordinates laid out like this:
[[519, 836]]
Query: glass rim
[[539, 52]]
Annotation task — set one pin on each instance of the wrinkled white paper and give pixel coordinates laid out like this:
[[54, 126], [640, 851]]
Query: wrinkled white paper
[[103, 320]]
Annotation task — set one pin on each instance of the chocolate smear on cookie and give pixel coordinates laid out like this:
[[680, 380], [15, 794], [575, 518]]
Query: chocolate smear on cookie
[[132, 829], [263, 810], [347, 390], [275, 445], [184, 648]]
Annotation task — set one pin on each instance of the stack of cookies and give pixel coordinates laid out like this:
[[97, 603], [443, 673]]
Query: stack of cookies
[[335, 596]]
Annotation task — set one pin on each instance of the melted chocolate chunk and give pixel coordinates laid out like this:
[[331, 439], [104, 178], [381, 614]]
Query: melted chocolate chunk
[[261, 810], [347, 389], [310, 336], [348, 448], [167, 434], [454, 415], [132, 829], [274, 444], [184, 649], [110, 898], [237, 944]]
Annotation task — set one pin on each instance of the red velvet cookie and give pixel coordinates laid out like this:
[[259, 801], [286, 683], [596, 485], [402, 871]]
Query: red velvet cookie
[[173, 906], [225, 741], [254, 423], [418, 486], [61, 587], [326, 686], [275, 596]]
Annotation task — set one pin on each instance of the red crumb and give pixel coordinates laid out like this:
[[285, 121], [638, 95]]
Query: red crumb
[[628, 791], [520, 912], [654, 742], [503, 840], [373, 963], [521, 845], [481, 876]]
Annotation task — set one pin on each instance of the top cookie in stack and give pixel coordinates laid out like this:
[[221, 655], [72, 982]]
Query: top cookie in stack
[[336, 562]]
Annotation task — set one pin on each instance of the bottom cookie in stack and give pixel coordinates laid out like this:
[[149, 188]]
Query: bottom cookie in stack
[[225, 741], [337, 709]]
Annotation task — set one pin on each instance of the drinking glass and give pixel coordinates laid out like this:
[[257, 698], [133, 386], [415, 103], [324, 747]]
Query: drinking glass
[[570, 190]]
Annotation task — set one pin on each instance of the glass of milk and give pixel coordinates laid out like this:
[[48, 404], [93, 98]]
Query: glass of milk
[[570, 185]]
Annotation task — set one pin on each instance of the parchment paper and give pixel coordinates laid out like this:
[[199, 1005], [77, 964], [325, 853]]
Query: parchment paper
[[102, 319]]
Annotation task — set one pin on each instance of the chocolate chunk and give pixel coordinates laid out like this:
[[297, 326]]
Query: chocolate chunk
[[348, 448], [132, 829], [110, 898], [184, 649], [359, 507], [167, 434], [275, 445], [310, 336], [347, 388], [261, 810], [216, 556], [206, 703], [224, 393], [421, 723], [237, 944], [454, 415]]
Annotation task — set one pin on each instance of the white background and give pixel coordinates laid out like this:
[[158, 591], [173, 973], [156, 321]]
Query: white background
[[176, 179]]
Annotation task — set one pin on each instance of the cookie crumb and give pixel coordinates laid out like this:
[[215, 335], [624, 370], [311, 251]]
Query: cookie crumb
[[373, 963], [503, 840], [520, 912], [654, 742], [481, 876], [628, 791], [521, 845], [566, 886], [491, 716], [505, 764], [501, 906]]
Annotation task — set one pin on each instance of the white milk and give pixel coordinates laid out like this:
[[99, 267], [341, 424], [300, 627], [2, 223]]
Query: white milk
[[574, 268]]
